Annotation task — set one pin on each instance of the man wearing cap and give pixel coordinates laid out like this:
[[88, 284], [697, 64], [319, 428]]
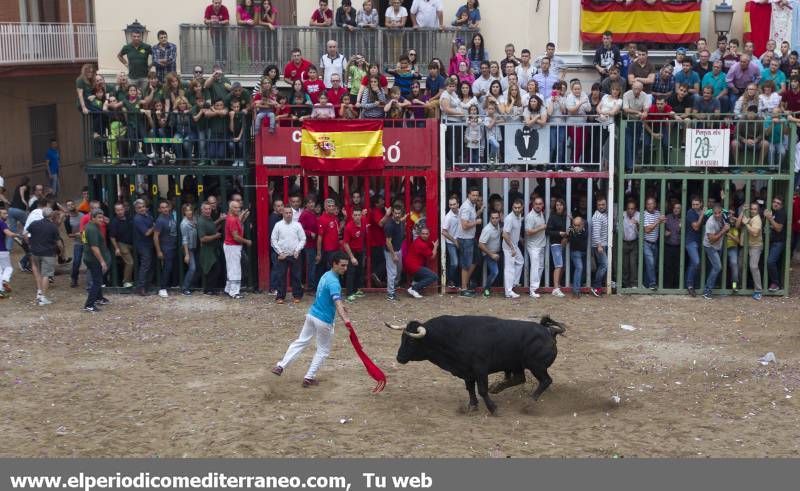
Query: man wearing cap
[[238, 94]]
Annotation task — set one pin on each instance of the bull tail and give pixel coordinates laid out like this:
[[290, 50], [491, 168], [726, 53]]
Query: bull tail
[[556, 328]]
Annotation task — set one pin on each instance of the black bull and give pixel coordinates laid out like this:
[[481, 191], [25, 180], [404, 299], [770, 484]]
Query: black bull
[[472, 347]]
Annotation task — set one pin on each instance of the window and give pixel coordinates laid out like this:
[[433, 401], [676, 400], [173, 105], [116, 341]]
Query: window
[[43, 128], [38, 11], [90, 11]]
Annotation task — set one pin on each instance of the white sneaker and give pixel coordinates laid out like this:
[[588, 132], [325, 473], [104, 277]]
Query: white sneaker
[[43, 301], [513, 295], [162, 293], [414, 293], [558, 293], [535, 295]]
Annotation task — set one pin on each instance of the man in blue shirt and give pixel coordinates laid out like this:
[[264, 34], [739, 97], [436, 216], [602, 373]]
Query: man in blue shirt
[[689, 77], [319, 321], [53, 161], [165, 240], [143, 242], [694, 227]]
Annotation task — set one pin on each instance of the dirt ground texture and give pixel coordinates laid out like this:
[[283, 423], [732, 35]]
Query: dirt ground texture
[[189, 377]]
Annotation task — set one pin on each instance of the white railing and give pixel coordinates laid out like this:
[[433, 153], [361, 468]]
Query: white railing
[[36, 43]]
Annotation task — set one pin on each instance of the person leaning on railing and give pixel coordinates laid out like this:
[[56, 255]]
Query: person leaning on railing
[[346, 15], [269, 15], [367, 17], [372, 100], [323, 16]]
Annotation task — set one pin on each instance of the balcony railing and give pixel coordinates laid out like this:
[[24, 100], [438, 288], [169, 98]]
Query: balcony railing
[[764, 145], [585, 146], [39, 43], [248, 50]]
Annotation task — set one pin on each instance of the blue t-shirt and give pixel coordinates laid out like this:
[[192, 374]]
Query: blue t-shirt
[[689, 79], [434, 85], [329, 290], [692, 235], [54, 161], [167, 228], [3, 228], [141, 224]]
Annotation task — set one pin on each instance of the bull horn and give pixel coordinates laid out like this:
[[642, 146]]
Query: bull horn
[[416, 335], [393, 327]]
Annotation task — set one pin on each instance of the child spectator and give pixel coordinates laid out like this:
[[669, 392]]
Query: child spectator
[[238, 144], [347, 110], [403, 76], [396, 107], [464, 74], [283, 110], [458, 53], [323, 109], [265, 104], [473, 134], [494, 134], [314, 86]]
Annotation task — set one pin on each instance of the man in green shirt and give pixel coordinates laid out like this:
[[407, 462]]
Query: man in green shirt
[[218, 84], [96, 258], [238, 94], [210, 240], [138, 55]]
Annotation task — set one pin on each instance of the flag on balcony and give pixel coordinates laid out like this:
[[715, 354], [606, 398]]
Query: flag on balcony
[[757, 21], [660, 22], [341, 146]]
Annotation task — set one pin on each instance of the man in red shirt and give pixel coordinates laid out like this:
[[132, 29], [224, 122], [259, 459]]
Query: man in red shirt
[[376, 239], [327, 237], [313, 86], [308, 220], [323, 16], [297, 68], [234, 240], [421, 251], [355, 235], [216, 17], [86, 218], [656, 128], [335, 92]]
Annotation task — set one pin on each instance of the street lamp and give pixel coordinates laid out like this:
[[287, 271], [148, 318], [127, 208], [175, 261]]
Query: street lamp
[[723, 18], [135, 27]]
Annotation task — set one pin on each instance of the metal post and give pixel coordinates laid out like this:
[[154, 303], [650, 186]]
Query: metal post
[[610, 211], [442, 209]]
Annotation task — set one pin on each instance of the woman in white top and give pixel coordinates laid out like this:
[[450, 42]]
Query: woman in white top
[[750, 97], [610, 105], [511, 104], [556, 109], [465, 97], [577, 106], [495, 94], [453, 117], [535, 114], [769, 99]]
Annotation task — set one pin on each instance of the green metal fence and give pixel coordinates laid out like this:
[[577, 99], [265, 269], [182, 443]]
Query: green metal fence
[[111, 184], [671, 173]]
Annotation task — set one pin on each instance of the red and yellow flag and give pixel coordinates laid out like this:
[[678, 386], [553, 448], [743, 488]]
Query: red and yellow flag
[[757, 23], [660, 22], [340, 146]]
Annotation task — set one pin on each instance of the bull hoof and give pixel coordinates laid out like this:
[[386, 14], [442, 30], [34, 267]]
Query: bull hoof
[[471, 408], [492, 410]]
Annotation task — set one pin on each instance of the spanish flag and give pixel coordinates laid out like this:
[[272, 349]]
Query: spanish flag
[[337, 146], [660, 22]]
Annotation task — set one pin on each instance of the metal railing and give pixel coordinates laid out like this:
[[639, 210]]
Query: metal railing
[[706, 141], [144, 140], [36, 43], [248, 50], [511, 145]]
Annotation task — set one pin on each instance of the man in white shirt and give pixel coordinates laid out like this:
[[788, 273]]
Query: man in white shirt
[[287, 240], [294, 203], [468, 220], [489, 244], [557, 63], [513, 259], [449, 230], [332, 62], [525, 70], [536, 242], [480, 87], [427, 13]]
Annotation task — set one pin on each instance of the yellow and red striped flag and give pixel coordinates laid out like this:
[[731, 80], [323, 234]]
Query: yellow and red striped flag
[[660, 22], [341, 146]]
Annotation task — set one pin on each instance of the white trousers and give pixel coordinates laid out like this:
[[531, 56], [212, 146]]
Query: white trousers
[[536, 255], [311, 328], [512, 268], [233, 265], [392, 269], [5, 268]]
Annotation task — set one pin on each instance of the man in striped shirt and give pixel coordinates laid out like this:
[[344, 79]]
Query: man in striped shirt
[[600, 245], [652, 220]]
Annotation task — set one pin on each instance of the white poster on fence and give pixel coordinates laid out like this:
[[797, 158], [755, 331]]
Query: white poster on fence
[[708, 147], [526, 145]]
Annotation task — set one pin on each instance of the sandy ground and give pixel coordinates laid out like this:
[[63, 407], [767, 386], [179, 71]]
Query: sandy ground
[[189, 377]]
